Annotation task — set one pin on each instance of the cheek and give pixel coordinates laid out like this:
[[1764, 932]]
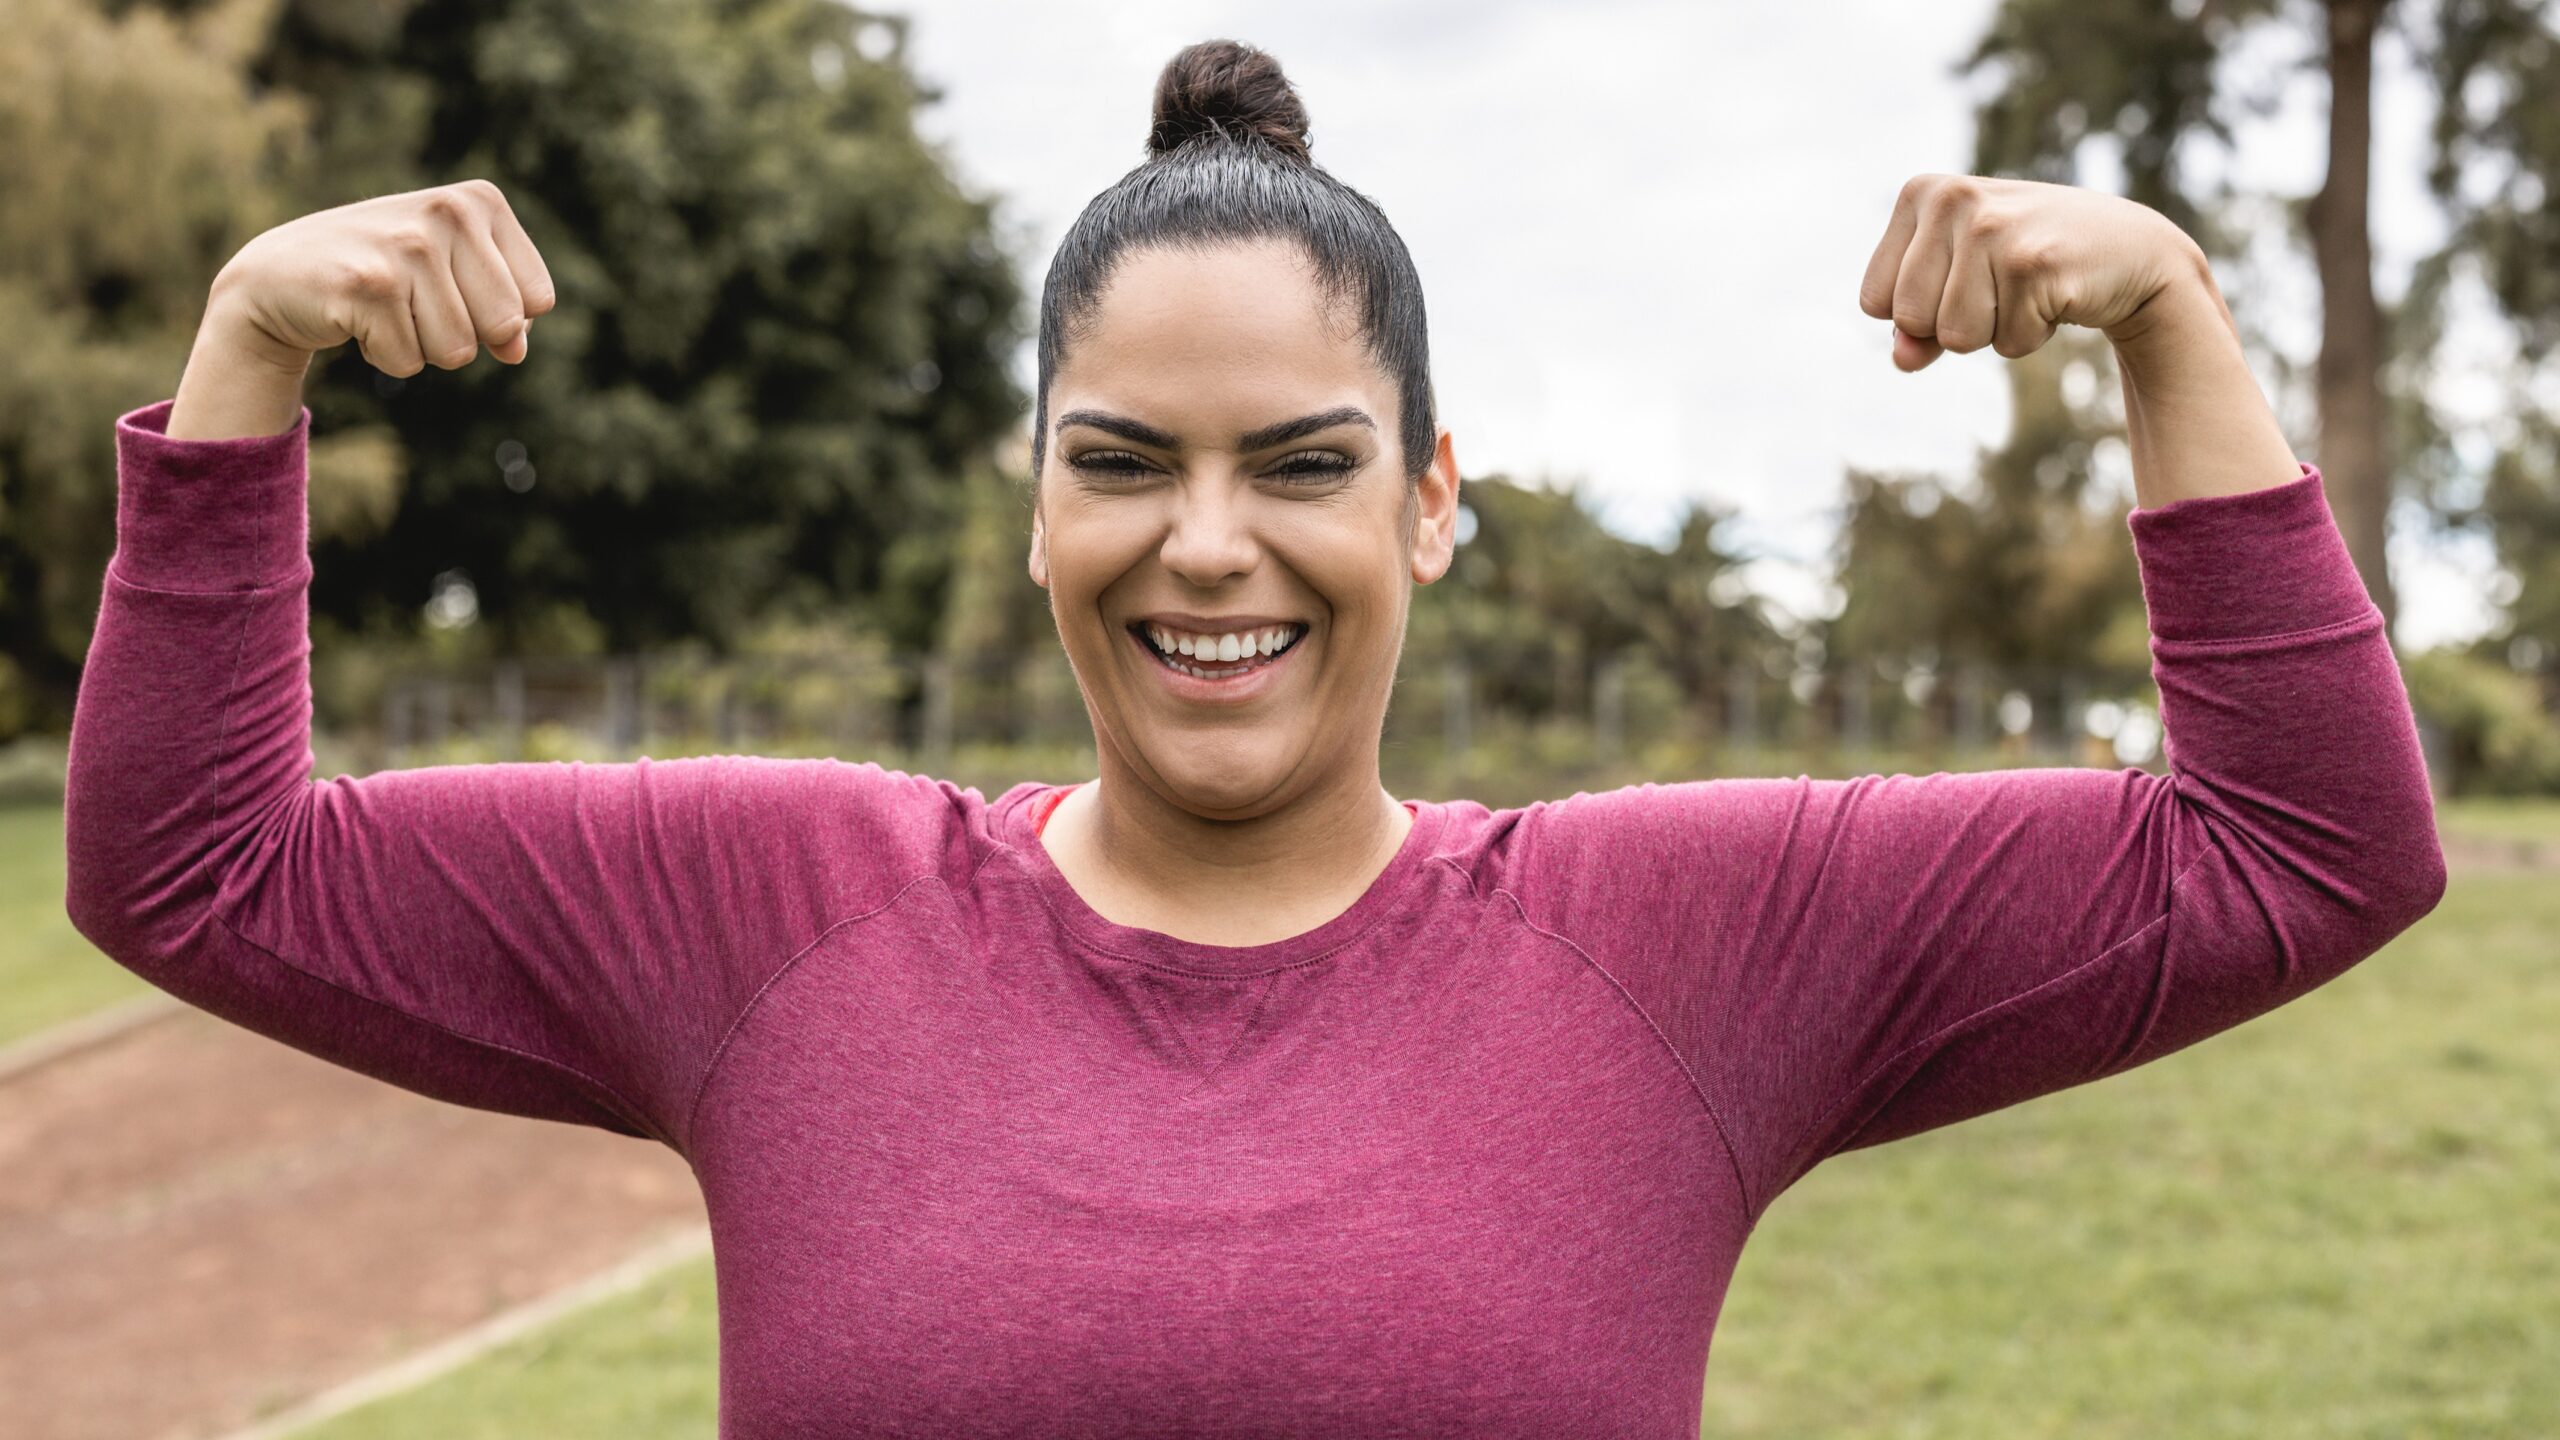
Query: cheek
[[1090, 549]]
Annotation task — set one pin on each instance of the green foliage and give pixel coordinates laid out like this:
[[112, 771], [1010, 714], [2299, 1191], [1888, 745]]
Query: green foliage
[[1542, 595], [2142, 74], [779, 348], [2138, 73], [2497, 724], [777, 365], [2496, 67], [135, 156], [2031, 567]]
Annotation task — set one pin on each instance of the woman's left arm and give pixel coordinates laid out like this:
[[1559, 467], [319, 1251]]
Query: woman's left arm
[[1840, 963]]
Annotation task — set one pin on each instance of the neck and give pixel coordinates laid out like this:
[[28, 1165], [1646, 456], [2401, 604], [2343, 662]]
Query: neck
[[1141, 860]]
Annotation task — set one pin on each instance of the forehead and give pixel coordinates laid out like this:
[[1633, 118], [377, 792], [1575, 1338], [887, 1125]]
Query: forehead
[[1241, 322]]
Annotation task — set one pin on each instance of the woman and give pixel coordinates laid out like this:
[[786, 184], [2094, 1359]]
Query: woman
[[1227, 1094]]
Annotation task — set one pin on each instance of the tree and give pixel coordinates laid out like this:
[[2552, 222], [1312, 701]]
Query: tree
[[2144, 77], [135, 156], [2027, 568], [782, 332], [2496, 67]]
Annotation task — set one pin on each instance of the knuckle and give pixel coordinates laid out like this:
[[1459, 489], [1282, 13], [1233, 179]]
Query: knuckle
[[410, 243], [458, 357], [1915, 317], [444, 205], [1985, 226], [2028, 259], [369, 279], [483, 190]]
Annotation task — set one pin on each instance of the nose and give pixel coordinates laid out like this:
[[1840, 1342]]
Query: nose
[[1211, 539]]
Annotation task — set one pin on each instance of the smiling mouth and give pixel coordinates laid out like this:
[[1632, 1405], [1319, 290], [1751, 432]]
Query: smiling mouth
[[1203, 662]]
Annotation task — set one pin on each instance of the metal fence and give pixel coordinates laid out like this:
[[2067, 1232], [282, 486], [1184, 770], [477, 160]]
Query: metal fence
[[927, 706]]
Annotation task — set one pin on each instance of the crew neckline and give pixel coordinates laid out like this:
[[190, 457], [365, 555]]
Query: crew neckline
[[1154, 947]]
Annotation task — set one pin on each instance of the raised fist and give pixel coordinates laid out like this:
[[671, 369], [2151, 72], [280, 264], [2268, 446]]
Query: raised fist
[[416, 279], [1968, 261]]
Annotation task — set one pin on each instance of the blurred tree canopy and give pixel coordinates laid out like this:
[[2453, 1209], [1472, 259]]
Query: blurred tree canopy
[[777, 365], [780, 345], [2030, 568], [2144, 81], [1542, 595], [135, 156]]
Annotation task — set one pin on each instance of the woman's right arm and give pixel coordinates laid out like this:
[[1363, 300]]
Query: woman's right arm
[[568, 941]]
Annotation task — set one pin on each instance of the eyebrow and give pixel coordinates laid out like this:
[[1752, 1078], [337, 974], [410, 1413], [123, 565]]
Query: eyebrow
[[1262, 439]]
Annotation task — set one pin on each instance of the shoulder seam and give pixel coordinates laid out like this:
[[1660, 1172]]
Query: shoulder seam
[[720, 1051], [1724, 1136]]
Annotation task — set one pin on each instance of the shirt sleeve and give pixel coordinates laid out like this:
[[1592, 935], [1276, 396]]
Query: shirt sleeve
[[562, 940], [1840, 963]]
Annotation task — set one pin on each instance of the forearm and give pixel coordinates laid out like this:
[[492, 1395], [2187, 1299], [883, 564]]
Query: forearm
[[2194, 415]]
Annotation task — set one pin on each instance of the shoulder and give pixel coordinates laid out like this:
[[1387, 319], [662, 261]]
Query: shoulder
[[858, 817], [1596, 842]]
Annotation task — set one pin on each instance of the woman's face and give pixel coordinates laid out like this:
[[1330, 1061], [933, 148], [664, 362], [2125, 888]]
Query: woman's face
[[1222, 468]]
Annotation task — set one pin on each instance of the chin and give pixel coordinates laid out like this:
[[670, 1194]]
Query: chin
[[1222, 789]]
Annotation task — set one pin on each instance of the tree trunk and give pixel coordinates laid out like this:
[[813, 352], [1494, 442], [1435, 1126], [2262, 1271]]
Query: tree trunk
[[2354, 461]]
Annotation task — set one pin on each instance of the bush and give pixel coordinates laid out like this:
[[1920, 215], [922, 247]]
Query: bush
[[2497, 735]]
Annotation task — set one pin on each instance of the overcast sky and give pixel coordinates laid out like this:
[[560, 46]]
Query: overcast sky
[[1640, 225]]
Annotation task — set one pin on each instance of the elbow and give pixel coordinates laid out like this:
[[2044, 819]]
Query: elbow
[[2417, 884], [102, 907], [2399, 885]]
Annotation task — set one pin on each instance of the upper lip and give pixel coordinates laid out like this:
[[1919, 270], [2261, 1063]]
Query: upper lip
[[1213, 624]]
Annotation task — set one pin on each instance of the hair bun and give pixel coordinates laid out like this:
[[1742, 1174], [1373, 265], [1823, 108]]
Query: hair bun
[[1227, 88]]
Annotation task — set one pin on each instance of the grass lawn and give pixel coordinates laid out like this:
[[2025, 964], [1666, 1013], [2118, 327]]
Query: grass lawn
[[2535, 817], [2333, 1222], [48, 973]]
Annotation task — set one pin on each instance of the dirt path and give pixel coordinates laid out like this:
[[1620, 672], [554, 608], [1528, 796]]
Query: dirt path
[[199, 1226]]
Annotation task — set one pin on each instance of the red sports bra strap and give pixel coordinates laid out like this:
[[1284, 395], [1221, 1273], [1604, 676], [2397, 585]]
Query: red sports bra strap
[[1040, 822]]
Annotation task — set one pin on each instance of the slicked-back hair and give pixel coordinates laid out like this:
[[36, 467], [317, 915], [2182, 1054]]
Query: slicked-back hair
[[1228, 161]]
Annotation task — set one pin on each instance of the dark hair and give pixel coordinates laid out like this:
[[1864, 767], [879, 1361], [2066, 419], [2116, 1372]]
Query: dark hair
[[1227, 160]]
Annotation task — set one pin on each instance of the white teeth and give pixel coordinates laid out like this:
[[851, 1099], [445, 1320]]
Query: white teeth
[[1225, 649]]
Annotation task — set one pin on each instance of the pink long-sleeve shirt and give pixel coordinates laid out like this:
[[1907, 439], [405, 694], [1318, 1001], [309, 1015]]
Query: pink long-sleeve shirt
[[1476, 1157]]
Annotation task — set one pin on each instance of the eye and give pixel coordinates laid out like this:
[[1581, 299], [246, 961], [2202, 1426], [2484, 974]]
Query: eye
[[1109, 462], [1317, 465]]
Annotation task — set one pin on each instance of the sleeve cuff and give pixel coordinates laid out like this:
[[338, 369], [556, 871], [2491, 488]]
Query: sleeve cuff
[[2259, 563], [210, 515]]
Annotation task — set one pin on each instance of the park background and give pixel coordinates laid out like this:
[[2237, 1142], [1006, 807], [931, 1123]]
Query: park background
[[760, 488]]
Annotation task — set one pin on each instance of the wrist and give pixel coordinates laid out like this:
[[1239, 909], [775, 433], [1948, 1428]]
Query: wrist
[[239, 381], [2185, 313]]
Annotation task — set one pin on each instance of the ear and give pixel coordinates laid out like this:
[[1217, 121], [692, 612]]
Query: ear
[[1039, 549], [1435, 518]]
